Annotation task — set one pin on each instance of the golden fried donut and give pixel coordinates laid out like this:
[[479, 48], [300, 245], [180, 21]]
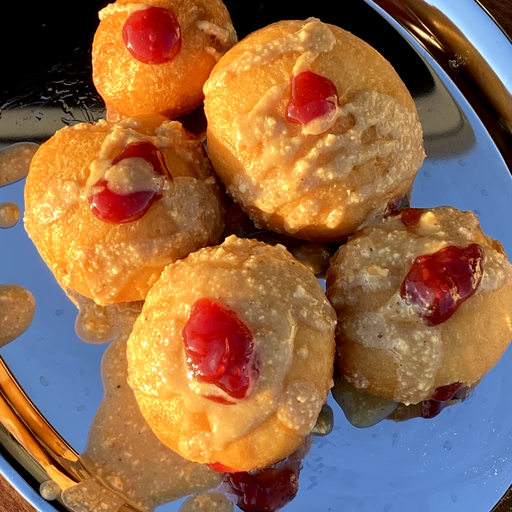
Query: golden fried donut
[[424, 304], [108, 206], [310, 129], [154, 57], [232, 356]]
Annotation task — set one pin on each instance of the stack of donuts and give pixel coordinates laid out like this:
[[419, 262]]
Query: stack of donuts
[[312, 135]]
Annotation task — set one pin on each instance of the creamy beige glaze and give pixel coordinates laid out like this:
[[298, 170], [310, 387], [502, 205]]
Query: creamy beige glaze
[[377, 265], [287, 164], [122, 264], [313, 39], [9, 214], [99, 324], [17, 309], [247, 277], [131, 174], [123, 453], [15, 161], [397, 129]]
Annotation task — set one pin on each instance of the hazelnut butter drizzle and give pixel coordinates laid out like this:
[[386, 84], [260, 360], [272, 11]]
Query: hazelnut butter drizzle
[[416, 346], [296, 402], [9, 214], [127, 460], [17, 308], [15, 162], [327, 149], [186, 201]]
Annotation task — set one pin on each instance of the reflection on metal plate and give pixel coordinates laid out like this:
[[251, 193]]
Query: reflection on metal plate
[[462, 460]]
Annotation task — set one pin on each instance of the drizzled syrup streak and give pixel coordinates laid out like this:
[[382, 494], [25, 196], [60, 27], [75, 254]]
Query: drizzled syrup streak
[[119, 208], [153, 35], [312, 96], [442, 395], [219, 348], [439, 283], [265, 490]]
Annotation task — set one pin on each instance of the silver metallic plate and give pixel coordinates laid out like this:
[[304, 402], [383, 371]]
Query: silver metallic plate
[[456, 62]]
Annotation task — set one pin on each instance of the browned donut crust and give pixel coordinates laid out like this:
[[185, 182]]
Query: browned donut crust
[[384, 346], [119, 262], [316, 185], [130, 87], [286, 310]]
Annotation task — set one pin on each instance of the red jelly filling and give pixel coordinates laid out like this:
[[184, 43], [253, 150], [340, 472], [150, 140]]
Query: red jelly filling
[[442, 395], [220, 348], [119, 208], [265, 490], [312, 96], [411, 216], [152, 35], [439, 283]]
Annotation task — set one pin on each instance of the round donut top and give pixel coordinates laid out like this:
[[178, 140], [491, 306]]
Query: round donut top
[[281, 315], [119, 210], [356, 119], [371, 272], [175, 24]]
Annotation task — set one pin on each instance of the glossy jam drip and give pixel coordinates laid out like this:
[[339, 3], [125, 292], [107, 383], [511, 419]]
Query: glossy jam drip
[[410, 217], [219, 348], [153, 35], [146, 151], [312, 96], [442, 395], [447, 392], [115, 208], [265, 490], [439, 283]]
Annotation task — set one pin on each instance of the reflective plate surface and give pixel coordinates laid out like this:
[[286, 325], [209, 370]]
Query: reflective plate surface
[[460, 461]]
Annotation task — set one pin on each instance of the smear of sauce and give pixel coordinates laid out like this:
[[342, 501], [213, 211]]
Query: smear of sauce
[[15, 162], [9, 215], [98, 324], [130, 464], [17, 308]]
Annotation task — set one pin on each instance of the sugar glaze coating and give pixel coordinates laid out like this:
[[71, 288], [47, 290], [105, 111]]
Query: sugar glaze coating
[[321, 180], [284, 307], [384, 346]]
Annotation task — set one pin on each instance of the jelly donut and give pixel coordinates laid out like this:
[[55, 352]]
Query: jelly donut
[[311, 130], [424, 305], [232, 356], [108, 206], [154, 57]]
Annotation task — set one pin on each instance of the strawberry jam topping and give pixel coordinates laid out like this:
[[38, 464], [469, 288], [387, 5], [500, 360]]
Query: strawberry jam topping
[[115, 208], [410, 217], [312, 96], [153, 35], [266, 490], [439, 283], [219, 348], [442, 395]]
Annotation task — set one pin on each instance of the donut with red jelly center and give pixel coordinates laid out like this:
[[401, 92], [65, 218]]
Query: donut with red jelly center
[[232, 356], [311, 130], [110, 215], [424, 304], [154, 57]]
